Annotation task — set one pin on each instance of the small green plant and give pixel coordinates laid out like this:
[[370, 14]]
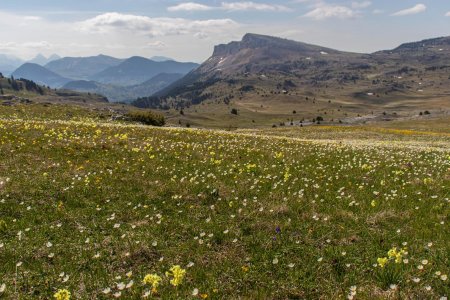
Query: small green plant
[[388, 276], [3, 226], [147, 117]]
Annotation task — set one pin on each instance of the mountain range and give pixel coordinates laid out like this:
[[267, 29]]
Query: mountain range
[[9, 63], [267, 79], [270, 77], [40, 75], [42, 60], [118, 79]]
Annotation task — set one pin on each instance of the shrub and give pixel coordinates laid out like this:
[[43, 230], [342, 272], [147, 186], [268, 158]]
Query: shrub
[[234, 111], [146, 117]]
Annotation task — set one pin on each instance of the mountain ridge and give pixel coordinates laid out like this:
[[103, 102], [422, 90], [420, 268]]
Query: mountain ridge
[[81, 68], [268, 78], [139, 69], [40, 75]]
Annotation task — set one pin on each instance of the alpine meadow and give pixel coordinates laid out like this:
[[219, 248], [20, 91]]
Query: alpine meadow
[[272, 169]]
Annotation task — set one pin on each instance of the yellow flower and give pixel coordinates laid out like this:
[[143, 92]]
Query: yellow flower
[[245, 268], [62, 295], [177, 273], [392, 252], [153, 280], [278, 155], [203, 296], [382, 261], [399, 256], [373, 203]]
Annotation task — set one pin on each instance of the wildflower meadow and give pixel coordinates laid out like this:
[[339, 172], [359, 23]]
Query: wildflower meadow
[[97, 209]]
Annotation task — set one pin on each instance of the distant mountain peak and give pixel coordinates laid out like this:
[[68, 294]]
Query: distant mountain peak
[[42, 60], [161, 58], [259, 41], [53, 57], [40, 75]]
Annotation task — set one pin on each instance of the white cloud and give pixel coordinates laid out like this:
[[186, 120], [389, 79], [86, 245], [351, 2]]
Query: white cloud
[[142, 25], [411, 11], [248, 5], [362, 4], [447, 14], [201, 35], [38, 45], [189, 6], [32, 18], [229, 6], [326, 11], [158, 45]]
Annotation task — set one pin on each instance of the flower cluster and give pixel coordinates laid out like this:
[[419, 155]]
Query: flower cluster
[[392, 255], [62, 294]]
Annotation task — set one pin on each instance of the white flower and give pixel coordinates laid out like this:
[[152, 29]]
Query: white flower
[[106, 291], [443, 277], [120, 285], [195, 292], [130, 284], [19, 264], [49, 244], [275, 261], [2, 288]]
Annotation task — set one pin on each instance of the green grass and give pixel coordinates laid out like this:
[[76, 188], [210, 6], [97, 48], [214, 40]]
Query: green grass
[[253, 215]]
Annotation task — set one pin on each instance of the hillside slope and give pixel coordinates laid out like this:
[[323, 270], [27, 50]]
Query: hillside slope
[[124, 94], [40, 75], [81, 68], [274, 80], [14, 91]]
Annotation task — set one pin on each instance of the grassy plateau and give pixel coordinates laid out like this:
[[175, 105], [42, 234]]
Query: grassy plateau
[[91, 207]]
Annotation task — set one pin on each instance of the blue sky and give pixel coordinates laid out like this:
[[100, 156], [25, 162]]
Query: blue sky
[[188, 30]]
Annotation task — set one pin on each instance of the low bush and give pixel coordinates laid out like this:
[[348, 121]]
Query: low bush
[[146, 117]]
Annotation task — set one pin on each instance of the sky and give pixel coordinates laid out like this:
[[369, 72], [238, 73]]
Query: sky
[[188, 30]]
